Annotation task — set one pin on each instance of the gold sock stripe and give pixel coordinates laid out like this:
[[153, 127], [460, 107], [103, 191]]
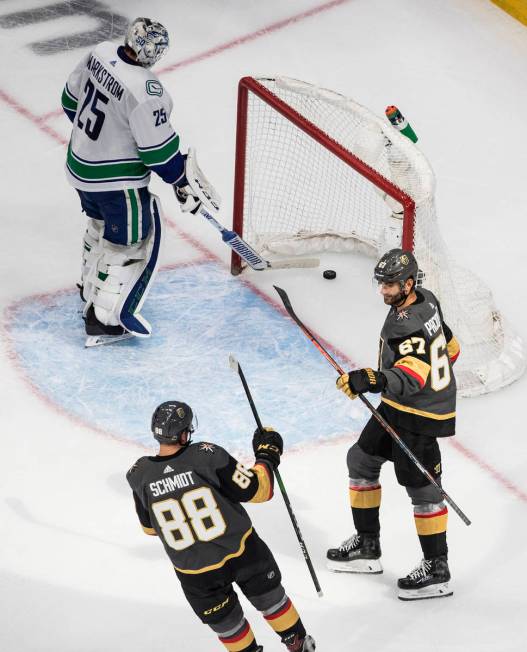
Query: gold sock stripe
[[365, 497], [240, 641], [427, 524], [284, 618]]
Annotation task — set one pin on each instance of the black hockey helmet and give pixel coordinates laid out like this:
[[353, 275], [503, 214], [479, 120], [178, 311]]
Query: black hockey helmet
[[172, 423], [396, 266]]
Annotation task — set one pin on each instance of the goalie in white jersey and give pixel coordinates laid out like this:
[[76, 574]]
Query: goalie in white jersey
[[121, 132]]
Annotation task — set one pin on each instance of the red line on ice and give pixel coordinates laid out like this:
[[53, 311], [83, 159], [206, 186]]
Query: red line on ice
[[253, 36], [26, 113], [39, 121], [499, 477]]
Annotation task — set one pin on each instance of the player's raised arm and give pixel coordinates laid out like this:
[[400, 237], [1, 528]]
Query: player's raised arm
[[256, 484]]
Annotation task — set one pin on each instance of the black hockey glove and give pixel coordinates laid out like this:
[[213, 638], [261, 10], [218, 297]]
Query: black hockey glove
[[268, 446], [360, 381]]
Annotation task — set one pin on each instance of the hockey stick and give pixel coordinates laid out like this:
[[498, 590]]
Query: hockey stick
[[236, 367], [249, 255], [287, 305]]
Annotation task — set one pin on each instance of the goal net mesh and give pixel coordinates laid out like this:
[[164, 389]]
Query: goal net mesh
[[299, 197]]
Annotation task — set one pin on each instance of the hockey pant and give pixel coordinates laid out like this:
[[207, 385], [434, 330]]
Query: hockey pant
[[365, 459], [213, 599], [116, 278]]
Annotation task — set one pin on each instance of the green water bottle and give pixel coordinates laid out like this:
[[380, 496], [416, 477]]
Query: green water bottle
[[400, 122]]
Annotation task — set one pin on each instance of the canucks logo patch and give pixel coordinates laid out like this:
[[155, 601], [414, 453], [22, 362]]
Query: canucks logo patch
[[154, 87]]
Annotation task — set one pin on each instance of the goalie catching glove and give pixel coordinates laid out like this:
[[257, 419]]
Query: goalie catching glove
[[194, 189], [360, 381], [268, 446]]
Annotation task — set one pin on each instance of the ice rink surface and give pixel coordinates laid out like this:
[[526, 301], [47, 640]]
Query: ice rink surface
[[76, 572]]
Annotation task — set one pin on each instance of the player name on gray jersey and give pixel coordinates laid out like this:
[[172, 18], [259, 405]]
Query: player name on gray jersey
[[166, 485]]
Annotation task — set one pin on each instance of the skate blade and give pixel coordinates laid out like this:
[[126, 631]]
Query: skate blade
[[426, 593], [99, 340], [369, 566]]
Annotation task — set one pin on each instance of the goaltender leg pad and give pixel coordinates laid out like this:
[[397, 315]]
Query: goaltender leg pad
[[135, 293], [91, 251], [123, 276]]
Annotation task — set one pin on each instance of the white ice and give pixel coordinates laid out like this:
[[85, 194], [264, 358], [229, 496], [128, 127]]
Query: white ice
[[76, 572]]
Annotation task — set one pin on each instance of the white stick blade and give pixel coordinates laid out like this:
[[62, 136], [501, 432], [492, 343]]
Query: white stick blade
[[233, 363], [292, 263]]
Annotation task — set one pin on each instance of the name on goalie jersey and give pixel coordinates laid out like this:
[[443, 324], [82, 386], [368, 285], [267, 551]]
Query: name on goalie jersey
[[104, 77], [433, 324], [171, 483]]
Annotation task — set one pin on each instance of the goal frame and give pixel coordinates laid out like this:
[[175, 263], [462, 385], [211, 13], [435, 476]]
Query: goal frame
[[248, 85]]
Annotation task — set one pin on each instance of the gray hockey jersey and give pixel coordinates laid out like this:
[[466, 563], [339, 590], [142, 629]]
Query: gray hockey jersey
[[191, 500], [416, 353]]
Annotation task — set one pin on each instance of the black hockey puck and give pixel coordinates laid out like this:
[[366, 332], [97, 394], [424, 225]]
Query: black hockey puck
[[329, 273]]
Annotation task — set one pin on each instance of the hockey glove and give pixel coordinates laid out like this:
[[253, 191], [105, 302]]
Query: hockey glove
[[268, 446], [188, 202], [360, 381]]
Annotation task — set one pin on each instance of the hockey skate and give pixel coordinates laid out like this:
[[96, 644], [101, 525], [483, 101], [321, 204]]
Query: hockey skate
[[301, 645], [99, 333], [359, 554], [429, 580]]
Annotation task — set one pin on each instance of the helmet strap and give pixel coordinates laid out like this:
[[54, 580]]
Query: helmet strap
[[184, 437], [401, 298]]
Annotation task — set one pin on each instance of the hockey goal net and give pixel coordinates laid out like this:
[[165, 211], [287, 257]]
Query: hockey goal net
[[316, 171]]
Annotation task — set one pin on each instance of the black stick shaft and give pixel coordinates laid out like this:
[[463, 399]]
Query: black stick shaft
[[287, 305], [283, 491]]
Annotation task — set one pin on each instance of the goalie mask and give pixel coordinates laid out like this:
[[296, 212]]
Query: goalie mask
[[173, 423], [148, 39]]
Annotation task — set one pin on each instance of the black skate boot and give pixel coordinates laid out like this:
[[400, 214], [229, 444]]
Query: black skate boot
[[297, 644], [359, 554], [99, 333], [429, 580]]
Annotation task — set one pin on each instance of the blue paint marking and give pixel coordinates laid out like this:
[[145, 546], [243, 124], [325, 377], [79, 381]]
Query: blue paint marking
[[199, 315]]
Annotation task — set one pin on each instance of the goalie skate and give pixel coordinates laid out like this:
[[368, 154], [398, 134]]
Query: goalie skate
[[359, 554], [429, 580], [99, 340]]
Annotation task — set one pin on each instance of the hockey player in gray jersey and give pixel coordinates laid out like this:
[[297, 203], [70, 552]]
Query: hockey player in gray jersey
[[121, 133], [189, 495], [418, 398]]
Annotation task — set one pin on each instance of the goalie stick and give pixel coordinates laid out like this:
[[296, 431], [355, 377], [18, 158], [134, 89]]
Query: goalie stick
[[210, 200], [249, 255], [287, 305], [236, 367]]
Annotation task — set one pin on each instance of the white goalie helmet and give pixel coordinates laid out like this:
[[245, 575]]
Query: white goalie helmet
[[148, 39]]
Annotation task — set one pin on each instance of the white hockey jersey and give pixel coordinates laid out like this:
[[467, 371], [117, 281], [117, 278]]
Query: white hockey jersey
[[121, 124]]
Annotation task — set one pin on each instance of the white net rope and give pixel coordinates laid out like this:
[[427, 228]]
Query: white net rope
[[299, 198]]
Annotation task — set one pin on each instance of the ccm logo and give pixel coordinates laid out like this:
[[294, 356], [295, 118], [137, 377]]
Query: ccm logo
[[216, 608]]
